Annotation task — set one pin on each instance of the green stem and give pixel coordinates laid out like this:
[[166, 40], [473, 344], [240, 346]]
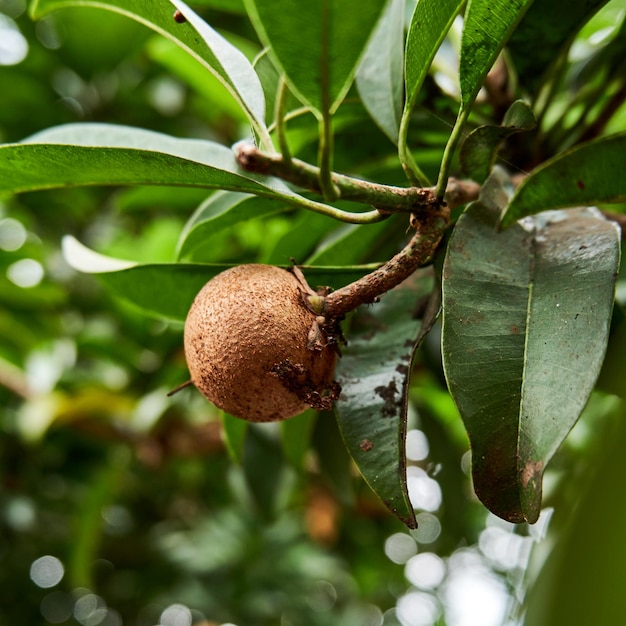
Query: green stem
[[281, 119], [448, 153], [414, 173], [325, 160], [350, 217]]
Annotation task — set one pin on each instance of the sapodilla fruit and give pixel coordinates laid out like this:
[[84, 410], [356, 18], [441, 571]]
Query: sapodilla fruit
[[247, 345]]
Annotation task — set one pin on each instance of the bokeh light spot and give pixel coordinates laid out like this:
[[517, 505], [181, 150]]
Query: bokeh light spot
[[46, 571]]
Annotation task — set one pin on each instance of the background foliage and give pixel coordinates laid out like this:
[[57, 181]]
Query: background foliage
[[120, 506]]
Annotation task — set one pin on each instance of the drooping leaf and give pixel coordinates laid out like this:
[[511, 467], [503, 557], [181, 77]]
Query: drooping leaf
[[488, 26], [526, 315], [166, 290], [478, 152], [585, 175], [544, 33], [195, 36], [222, 210], [317, 44], [374, 374], [379, 78], [103, 154]]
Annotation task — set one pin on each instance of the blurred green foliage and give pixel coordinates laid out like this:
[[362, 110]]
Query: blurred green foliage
[[151, 516]]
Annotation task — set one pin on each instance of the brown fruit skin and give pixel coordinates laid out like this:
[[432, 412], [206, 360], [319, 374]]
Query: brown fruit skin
[[244, 322]]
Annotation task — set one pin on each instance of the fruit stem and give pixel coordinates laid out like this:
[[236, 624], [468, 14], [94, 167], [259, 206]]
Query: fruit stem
[[179, 388], [419, 250]]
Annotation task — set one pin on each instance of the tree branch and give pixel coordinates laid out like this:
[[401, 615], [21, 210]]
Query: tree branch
[[419, 250], [383, 197]]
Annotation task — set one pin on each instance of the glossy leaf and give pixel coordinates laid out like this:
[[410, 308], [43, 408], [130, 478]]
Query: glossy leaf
[[429, 25], [585, 175], [166, 290], [488, 25], [317, 44], [220, 211], [380, 76], [374, 374], [103, 154], [479, 151], [195, 36], [526, 315], [544, 34]]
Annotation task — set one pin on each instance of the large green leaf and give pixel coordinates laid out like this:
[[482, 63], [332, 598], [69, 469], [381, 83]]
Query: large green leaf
[[526, 315], [195, 36], [479, 151], [380, 76], [317, 44], [585, 175], [166, 290], [103, 154], [488, 25], [544, 33], [374, 375]]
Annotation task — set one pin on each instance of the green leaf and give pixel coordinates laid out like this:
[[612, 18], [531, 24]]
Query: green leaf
[[545, 32], [178, 63], [317, 44], [351, 243], [220, 211], [488, 25], [103, 154], [478, 152], [374, 374], [166, 290], [306, 230], [587, 174], [526, 315], [430, 22], [195, 36], [379, 78]]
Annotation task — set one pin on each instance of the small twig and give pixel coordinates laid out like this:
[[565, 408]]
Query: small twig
[[383, 197], [179, 388]]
